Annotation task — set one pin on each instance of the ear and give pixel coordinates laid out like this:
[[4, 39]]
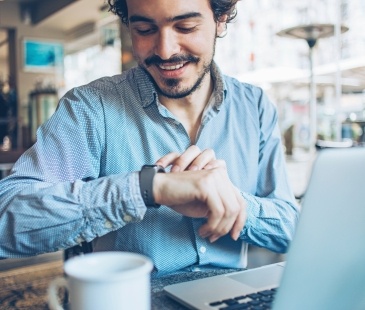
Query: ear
[[222, 25]]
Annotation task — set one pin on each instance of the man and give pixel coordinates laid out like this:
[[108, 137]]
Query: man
[[225, 183]]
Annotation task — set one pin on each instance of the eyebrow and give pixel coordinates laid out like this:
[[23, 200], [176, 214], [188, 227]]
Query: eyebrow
[[139, 18]]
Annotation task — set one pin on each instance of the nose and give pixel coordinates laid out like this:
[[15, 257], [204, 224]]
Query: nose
[[167, 44]]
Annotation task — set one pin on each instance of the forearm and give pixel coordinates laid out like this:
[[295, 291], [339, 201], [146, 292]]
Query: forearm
[[40, 217], [270, 222]]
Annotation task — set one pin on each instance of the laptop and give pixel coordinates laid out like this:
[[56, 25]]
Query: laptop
[[325, 264]]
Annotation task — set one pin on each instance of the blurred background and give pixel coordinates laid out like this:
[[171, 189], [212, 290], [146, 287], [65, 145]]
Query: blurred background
[[309, 56]]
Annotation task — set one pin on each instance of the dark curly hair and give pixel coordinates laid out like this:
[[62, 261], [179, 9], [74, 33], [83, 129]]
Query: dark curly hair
[[219, 8]]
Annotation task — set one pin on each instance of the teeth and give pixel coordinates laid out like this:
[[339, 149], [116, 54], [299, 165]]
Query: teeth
[[174, 67]]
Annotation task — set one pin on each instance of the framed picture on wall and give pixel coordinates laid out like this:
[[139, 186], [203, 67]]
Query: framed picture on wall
[[42, 55]]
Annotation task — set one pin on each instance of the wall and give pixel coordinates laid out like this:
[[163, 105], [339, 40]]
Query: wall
[[3, 55], [10, 18], [3, 69]]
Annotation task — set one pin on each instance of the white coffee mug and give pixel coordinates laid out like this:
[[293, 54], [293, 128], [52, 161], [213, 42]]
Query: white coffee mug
[[105, 280]]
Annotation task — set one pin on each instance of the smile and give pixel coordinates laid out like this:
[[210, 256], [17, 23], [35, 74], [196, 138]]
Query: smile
[[171, 67]]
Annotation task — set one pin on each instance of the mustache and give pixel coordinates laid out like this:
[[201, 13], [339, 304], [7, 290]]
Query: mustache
[[156, 60]]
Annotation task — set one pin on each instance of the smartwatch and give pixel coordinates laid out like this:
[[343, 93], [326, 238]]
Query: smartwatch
[[146, 176]]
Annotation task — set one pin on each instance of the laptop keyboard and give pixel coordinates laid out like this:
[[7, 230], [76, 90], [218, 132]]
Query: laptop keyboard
[[257, 301]]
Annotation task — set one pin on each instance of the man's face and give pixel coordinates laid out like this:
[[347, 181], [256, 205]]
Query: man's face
[[174, 41]]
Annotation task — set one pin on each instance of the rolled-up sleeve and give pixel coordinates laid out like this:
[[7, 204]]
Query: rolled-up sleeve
[[272, 212]]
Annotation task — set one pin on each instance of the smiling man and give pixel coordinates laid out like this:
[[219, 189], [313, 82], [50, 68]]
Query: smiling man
[[177, 51], [174, 42], [171, 159]]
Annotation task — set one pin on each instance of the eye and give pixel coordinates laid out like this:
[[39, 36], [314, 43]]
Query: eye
[[186, 29], [187, 26], [145, 30]]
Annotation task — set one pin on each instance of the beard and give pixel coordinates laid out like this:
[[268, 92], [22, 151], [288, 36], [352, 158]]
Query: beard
[[171, 87]]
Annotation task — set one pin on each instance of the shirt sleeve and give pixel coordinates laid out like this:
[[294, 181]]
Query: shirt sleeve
[[272, 212], [54, 198]]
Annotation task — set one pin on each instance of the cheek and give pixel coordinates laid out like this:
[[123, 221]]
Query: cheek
[[200, 45], [142, 48]]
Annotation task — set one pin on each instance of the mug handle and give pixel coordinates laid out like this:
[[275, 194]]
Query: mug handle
[[53, 289]]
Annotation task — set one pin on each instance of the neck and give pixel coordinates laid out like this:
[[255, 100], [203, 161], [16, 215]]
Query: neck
[[189, 110]]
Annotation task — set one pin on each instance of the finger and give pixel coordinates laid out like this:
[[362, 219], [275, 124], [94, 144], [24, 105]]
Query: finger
[[219, 223], [168, 159], [241, 218], [230, 210], [226, 224], [216, 163], [204, 158], [185, 159], [214, 216]]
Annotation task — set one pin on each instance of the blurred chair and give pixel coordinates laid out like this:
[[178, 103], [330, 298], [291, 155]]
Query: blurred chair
[[7, 160], [5, 169]]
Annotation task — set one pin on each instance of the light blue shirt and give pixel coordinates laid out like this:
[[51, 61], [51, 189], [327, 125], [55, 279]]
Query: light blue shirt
[[79, 182]]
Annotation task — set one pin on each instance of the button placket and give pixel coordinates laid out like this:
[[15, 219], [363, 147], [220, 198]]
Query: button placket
[[200, 243]]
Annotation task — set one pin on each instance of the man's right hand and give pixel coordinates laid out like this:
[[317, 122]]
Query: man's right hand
[[204, 193]]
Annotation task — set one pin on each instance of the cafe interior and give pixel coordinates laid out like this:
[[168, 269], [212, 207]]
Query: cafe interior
[[308, 56]]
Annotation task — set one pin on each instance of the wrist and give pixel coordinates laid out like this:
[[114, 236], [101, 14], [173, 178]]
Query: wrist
[[157, 185]]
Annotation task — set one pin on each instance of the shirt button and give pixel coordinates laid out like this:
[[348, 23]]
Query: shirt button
[[127, 218], [202, 249], [79, 240], [108, 224]]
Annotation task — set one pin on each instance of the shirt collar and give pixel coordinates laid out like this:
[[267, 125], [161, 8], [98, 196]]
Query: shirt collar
[[220, 89], [148, 93]]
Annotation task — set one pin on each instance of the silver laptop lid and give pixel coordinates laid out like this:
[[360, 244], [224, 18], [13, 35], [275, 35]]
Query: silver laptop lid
[[326, 261]]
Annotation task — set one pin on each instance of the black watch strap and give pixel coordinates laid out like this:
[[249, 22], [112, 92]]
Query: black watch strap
[[146, 176]]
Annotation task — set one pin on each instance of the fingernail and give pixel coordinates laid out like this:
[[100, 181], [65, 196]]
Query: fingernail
[[202, 235], [213, 239], [236, 236], [207, 167], [193, 168]]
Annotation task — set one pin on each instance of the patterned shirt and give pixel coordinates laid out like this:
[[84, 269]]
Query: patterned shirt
[[79, 181]]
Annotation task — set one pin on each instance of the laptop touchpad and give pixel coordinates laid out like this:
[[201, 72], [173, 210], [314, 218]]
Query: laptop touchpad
[[261, 277]]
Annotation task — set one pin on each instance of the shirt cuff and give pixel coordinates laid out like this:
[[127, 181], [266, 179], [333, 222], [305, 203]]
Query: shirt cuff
[[251, 212], [136, 196]]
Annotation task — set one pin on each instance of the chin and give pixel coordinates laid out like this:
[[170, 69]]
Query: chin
[[176, 92]]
